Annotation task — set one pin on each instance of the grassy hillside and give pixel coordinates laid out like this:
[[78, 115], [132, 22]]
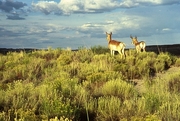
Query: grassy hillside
[[88, 84]]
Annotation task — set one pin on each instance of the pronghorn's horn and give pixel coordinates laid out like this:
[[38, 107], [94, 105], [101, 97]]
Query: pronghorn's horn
[[131, 36], [111, 33], [135, 37]]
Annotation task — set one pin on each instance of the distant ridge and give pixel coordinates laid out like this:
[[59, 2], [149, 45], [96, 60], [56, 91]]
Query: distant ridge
[[4, 51], [173, 49]]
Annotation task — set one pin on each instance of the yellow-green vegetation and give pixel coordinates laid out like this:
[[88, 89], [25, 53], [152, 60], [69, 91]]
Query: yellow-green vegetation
[[88, 84]]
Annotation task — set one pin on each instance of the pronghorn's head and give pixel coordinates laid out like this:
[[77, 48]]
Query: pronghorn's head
[[108, 36], [134, 39]]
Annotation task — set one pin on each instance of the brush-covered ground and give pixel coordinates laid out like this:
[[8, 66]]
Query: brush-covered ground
[[89, 84]]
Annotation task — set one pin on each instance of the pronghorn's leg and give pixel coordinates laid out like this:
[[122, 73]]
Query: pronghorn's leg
[[137, 49], [144, 50], [123, 53], [120, 52], [113, 52]]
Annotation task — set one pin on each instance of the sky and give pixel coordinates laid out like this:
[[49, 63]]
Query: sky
[[84, 23]]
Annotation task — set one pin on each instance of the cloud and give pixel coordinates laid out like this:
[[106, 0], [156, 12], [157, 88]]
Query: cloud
[[71, 6], [122, 24], [134, 3], [4, 32], [47, 7], [166, 29], [67, 7], [10, 5], [75, 6], [131, 22], [158, 2], [14, 17], [100, 5], [135, 22]]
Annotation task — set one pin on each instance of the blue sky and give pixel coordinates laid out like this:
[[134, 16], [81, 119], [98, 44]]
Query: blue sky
[[83, 23]]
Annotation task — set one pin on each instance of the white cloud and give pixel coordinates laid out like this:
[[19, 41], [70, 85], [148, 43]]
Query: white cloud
[[69, 6], [109, 22], [87, 6], [100, 5], [148, 22], [124, 25], [158, 2], [46, 7], [166, 29], [128, 3], [88, 27], [135, 3], [131, 22], [150, 1], [93, 6]]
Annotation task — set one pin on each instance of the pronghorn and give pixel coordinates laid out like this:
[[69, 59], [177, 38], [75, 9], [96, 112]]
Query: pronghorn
[[139, 45], [115, 45]]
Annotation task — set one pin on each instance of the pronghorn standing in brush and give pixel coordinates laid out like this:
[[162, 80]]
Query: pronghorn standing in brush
[[139, 45], [115, 45]]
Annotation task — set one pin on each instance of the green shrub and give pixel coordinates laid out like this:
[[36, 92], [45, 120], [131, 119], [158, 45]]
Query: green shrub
[[17, 95], [83, 55], [99, 77], [141, 56], [3, 116], [25, 115], [87, 83], [100, 49], [118, 88], [57, 106], [2, 62], [150, 117], [169, 110], [159, 65], [131, 52], [177, 62], [137, 66], [48, 54], [105, 62], [142, 68], [65, 58], [131, 60], [152, 103], [174, 83], [166, 59], [109, 108]]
